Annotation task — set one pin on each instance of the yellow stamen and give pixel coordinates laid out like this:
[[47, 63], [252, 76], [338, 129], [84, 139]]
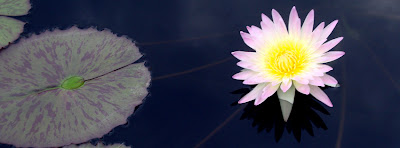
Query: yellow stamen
[[286, 58]]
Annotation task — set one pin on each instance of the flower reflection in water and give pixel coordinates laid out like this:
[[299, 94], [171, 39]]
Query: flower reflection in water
[[267, 116]]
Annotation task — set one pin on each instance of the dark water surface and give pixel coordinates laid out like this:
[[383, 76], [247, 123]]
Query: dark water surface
[[187, 46]]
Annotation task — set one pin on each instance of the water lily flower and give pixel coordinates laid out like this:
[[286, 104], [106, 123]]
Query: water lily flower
[[287, 59], [10, 28], [68, 86]]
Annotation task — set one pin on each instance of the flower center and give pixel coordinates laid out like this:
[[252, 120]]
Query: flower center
[[286, 58], [73, 82]]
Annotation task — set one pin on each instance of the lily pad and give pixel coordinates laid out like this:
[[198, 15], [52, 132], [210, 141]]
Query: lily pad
[[10, 28], [62, 87], [14, 7], [99, 145]]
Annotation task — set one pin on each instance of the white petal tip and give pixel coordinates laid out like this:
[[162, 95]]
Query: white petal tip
[[333, 84]]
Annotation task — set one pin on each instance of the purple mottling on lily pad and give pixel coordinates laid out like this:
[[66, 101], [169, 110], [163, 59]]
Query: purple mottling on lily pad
[[44, 115]]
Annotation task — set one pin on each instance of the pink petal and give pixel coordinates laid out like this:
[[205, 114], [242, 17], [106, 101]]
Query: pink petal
[[268, 34], [273, 83], [285, 80], [293, 16], [328, 30], [303, 88], [320, 95], [268, 91], [297, 28], [330, 56], [244, 74], [329, 45], [256, 79], [286, 86], [317, 81], [248, 40], [278, 21], [329, 80], [309, 77], [254, 31], [319, 28], [266, 27], [317, 72], [317, 31], [294, 22], [247, 65], [318, 44], [257, 99], [244, 56], [301, 80], [266, 20], [253, 94], [308, 24], [324, 68]]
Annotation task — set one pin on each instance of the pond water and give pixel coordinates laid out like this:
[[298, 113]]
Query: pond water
[[192, 97]]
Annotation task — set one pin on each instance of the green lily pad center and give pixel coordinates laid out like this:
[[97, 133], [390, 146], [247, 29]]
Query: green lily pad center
[[73, 82]]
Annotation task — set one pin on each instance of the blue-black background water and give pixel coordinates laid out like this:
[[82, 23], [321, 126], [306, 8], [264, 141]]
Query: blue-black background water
[[187, 46]]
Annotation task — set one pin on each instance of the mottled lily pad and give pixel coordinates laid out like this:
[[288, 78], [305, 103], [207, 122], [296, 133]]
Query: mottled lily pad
[[99, 145], [10, 28], [43, 102], [14, 7]]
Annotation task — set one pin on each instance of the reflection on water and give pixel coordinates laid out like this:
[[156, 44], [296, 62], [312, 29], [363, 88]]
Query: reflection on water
[[267, 115]]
